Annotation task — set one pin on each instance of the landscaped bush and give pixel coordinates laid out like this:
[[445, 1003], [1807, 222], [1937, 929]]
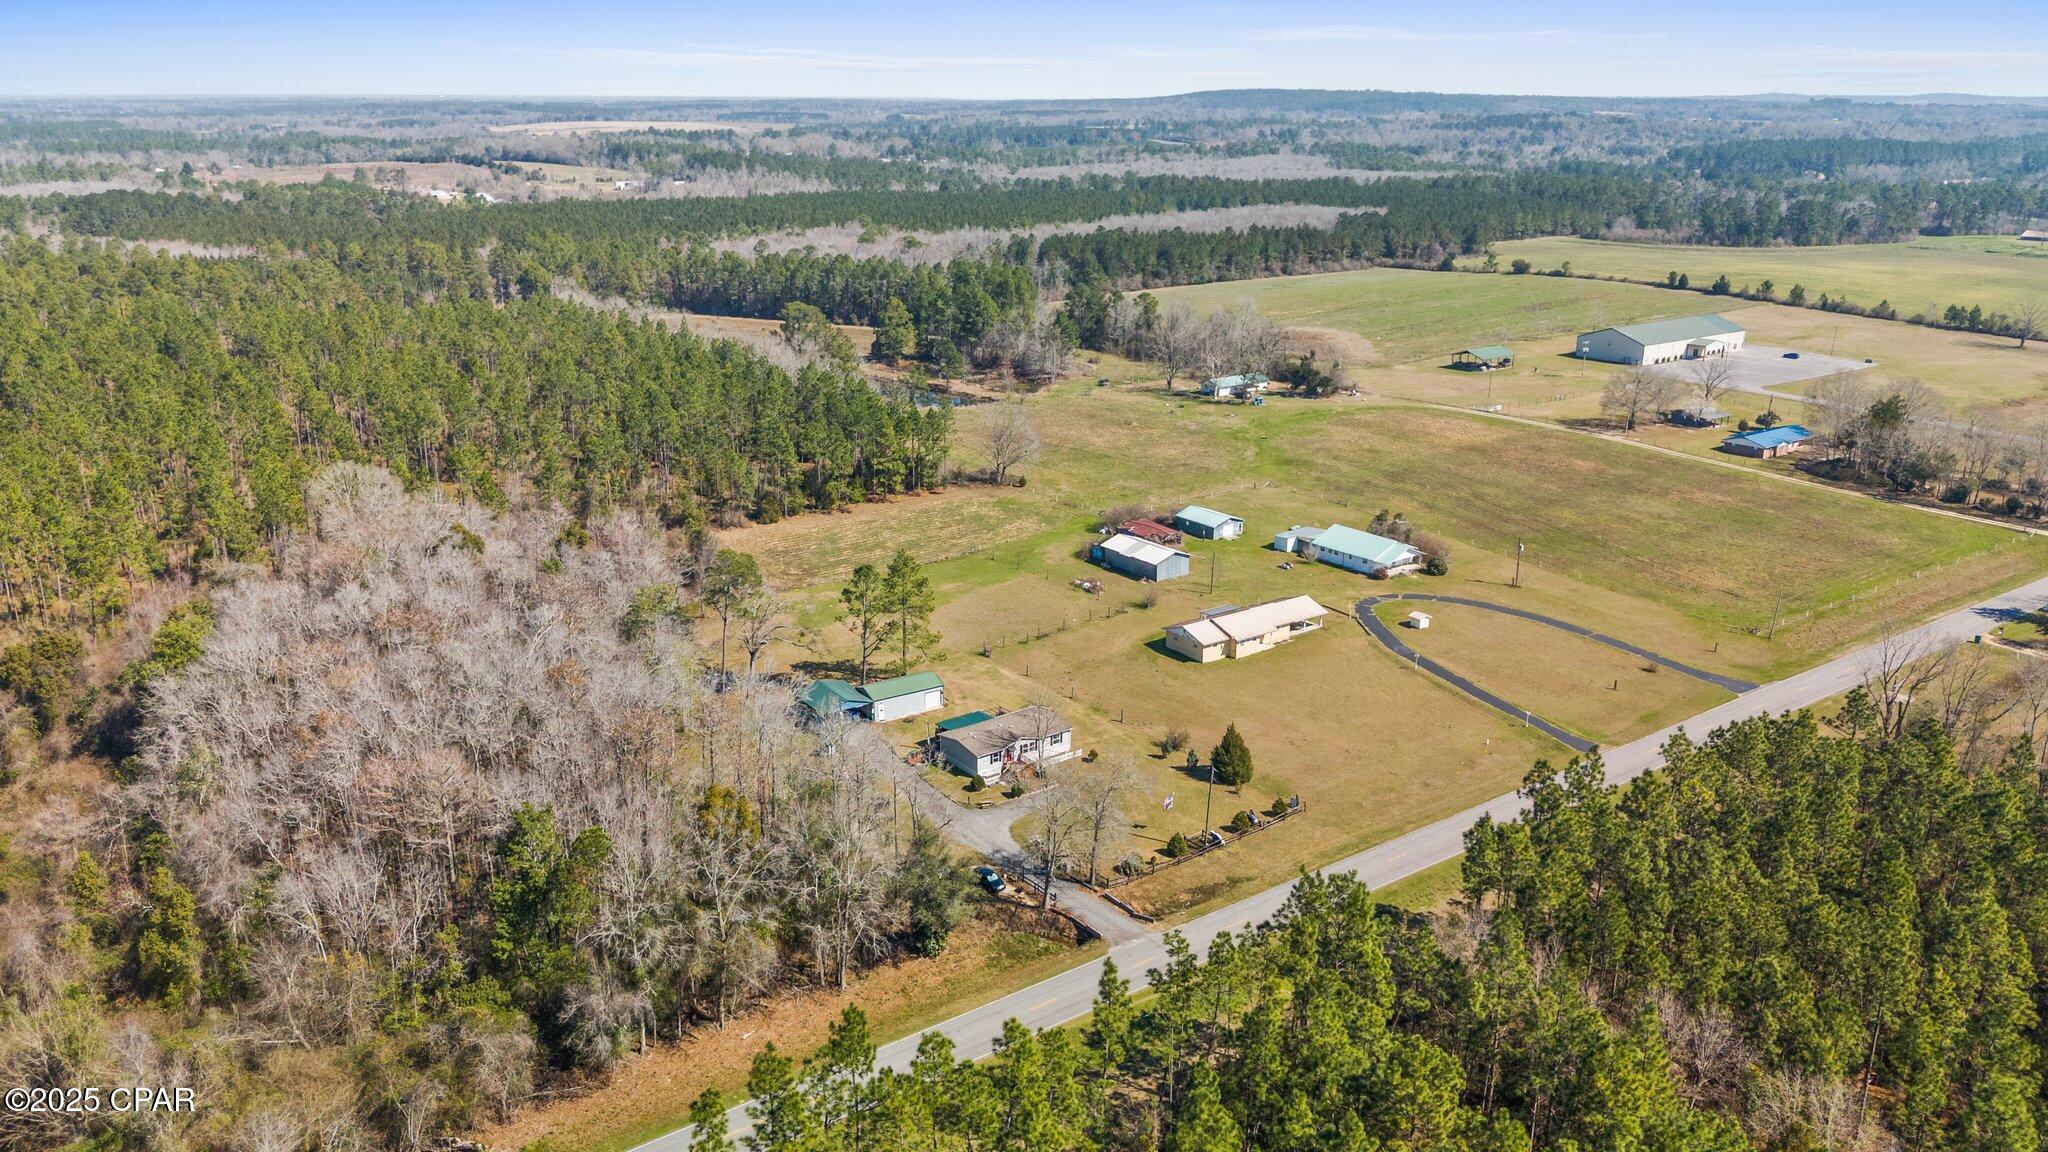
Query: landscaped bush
[[1242, 823], [1176, 847]]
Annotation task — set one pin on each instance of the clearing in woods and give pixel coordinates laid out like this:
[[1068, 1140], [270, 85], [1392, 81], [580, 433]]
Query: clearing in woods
[[1918, 276], [1667, 554]]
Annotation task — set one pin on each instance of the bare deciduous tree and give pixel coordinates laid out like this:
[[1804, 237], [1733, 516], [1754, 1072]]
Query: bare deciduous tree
[[1010, 439], [1103, 788], [1063, 817], [1636, 395], [1712, 377]]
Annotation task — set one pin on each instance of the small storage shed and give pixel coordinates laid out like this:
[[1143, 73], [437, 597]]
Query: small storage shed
[[1418, 620], [1139, 559], [1208, 523]]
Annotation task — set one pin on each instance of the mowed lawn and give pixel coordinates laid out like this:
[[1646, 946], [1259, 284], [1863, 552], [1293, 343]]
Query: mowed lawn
[[1919, 276], [1409, 314], [1601, 693], [1682, 557], [1668, 554]]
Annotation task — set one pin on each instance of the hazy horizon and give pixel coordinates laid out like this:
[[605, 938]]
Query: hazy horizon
[[640, 50]]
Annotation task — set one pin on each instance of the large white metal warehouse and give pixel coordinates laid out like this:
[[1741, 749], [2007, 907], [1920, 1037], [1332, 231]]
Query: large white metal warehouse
[[1662, 341]]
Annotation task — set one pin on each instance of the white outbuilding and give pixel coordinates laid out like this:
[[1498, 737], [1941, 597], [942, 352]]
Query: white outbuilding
[[1662, 341]]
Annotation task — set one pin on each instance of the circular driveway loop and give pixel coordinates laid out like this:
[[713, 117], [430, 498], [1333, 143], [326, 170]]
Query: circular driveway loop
[[1372, 623]]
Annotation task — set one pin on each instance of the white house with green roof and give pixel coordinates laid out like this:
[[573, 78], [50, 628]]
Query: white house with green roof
[[1663, 341], [1356, 551]]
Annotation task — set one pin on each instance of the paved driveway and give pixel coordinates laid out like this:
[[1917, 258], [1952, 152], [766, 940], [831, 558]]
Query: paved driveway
[[1764, 370]]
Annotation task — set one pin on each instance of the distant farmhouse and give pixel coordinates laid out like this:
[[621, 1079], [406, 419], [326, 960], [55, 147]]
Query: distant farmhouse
[[1234, 387], [1765, 443], [881, 701], [1234, 633], [2035, 234], [1207, 523], [1350, 549], [1139, 559], [1662, 341], [1033, 735]]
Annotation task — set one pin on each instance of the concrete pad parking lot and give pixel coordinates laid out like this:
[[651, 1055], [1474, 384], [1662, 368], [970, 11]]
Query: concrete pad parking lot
[[1763, 370]]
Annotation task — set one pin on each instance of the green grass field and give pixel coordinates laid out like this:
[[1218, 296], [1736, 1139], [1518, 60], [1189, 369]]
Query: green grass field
[[1601, 693], [1409, 315], [1924, 275], [1683, 557]]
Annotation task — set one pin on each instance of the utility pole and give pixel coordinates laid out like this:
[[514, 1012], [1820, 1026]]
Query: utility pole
[[1519, 549], [1777, 610], [1212, 569]]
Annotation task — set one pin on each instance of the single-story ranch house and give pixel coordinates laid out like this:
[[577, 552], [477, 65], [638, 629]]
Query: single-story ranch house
[[1139, 559], [1232, 387], [1765, 443], [1350, 549], [881, 701], [1234, 633], [1208, 523], [1662, 341], [1031, 735]]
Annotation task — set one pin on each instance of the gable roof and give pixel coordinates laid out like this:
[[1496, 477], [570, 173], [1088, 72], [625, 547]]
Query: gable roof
[[1364, 545], [1682, 328], [1202, 630], [1143, 551], [903, 686], [833, 696], [999, 732], [1253, 622], [1206, 517], [1771, 437], [1489, 352], [1243, 379], [1149, 530]]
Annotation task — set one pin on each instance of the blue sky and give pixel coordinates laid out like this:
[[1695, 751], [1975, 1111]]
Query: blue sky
[[1048, 49]]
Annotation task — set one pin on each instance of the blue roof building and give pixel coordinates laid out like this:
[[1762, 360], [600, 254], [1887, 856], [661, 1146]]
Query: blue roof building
[[1765, 443]]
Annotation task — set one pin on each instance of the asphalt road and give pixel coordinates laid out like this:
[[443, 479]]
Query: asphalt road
[[1071, 994]]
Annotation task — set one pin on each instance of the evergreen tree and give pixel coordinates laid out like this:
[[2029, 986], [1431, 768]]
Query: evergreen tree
[[907, 597], [1231, 759]]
